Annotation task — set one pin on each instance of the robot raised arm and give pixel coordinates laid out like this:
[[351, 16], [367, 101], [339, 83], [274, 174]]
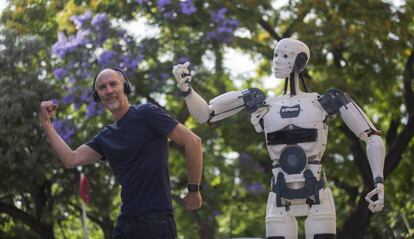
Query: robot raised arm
[[220, 107], [335, 101]]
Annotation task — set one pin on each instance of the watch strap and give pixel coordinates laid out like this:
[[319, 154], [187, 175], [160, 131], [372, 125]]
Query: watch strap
[[193, 187]]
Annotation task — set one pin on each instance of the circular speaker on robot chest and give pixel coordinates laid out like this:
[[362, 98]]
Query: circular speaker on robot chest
[[293, 160]]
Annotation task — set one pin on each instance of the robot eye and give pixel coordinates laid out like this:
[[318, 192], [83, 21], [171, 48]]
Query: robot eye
[[285, 56], [276, 55]]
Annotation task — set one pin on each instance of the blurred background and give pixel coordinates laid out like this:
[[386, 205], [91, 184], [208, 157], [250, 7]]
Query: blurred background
[[52, 49]]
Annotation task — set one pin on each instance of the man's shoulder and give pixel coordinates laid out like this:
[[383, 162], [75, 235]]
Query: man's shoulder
[[148, 107]]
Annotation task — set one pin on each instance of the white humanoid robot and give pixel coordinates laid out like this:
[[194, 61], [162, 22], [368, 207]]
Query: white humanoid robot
[[296, 131]]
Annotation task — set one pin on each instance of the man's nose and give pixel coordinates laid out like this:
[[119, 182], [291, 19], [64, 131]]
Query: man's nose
[[109, 90]]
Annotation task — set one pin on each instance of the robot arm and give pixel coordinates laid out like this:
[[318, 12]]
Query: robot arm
[[220, 107], [334, 101]]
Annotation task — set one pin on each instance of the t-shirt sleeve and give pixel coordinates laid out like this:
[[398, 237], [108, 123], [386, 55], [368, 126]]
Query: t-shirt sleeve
[[94, 144], [159, 120]]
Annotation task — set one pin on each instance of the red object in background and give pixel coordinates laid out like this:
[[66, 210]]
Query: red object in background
[[85, 189]]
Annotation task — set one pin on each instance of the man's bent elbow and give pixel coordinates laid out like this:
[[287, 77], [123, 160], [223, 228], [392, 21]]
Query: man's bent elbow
[[70, 162], [197, 140]]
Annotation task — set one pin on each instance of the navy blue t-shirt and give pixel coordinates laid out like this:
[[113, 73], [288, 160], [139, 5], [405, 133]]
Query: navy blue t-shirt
[[136, 148]]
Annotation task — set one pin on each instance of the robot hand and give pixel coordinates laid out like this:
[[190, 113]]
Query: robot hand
[[182, 76], [378, 205]]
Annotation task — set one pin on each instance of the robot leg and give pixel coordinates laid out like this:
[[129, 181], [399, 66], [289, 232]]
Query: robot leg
[[280, 224], [321, 221]]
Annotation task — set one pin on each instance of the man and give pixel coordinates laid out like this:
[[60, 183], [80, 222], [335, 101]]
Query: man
[[136, 148]]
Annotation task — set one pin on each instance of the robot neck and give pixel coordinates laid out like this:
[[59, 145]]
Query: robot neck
[[293, 82]]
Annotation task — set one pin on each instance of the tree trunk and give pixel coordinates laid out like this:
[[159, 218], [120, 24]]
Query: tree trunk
[[355, 225]]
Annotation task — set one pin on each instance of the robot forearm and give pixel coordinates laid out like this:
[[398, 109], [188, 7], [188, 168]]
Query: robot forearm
[[376, 156], [219, 108], [224, 105], [197, 107]]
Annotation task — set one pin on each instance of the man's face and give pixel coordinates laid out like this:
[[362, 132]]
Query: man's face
[[283, 60], [110, 88]]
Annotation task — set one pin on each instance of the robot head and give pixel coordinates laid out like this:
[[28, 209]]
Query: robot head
[[290, 56]]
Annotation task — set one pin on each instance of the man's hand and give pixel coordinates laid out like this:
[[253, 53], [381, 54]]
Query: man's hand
[[193, 201], [46, 111], [182, 76], [378, 205]]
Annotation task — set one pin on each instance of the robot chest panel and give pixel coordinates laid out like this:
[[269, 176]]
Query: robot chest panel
[[295, 121], [304, 112]]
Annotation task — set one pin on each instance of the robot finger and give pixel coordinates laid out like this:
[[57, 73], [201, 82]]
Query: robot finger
[[186, 79], [372, 193]]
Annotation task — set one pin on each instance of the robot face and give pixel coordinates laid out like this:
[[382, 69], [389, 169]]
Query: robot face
[[290, 56]]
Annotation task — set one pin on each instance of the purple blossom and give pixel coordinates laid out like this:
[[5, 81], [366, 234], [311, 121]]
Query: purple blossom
[[65, 129], [86, 96], [106, 58], [170, 15], [187, 7], [183, 59], [59, 48], [141, 1], [254, 187], [68, 99], [213, 214], [94, 109], [224, 31], [60, 73], [131, 62], [162, 3], [80, 20], [71, 44], [99, 20], [56, 101], [101, 38], [164, 76], [82, 38], [218, 16]]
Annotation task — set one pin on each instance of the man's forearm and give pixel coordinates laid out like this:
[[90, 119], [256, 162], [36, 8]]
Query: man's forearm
[[194, 158], [63, 151]]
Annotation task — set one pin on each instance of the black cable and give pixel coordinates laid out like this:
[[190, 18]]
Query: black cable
[[292, 84], [305, 87]]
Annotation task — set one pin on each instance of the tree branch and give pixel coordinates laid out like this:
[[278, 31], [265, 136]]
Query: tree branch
[[267, 27], [36, 225], [360, 157], [408, 77]]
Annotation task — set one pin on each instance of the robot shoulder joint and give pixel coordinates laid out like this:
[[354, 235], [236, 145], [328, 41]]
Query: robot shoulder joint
[[333, 99], [253, 99]]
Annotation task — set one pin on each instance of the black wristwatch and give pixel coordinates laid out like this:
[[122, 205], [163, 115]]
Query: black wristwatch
[[193, 187]]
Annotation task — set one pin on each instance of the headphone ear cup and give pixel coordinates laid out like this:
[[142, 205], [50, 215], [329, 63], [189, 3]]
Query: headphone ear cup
[[300, 62], [96, 97], [127, 87]]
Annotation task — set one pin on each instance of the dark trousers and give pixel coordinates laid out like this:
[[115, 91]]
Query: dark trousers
[[147, 226]]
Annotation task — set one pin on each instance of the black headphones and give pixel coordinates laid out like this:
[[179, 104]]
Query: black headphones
[[127, 86]]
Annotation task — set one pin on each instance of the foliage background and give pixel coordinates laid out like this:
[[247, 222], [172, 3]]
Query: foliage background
[[53, 49]]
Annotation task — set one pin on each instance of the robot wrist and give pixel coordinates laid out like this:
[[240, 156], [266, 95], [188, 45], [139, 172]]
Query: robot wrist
[[187, 92], [378, 179]]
